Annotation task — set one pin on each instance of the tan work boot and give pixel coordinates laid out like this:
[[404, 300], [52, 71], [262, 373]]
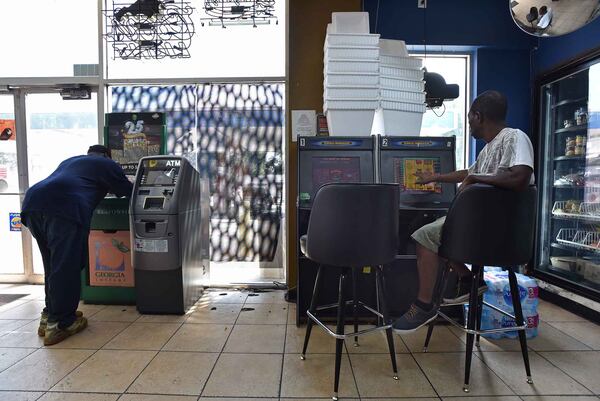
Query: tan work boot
[[54, 334], [44, 322]]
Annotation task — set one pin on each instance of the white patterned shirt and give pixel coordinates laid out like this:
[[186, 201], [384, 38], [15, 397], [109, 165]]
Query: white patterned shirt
[[511, 147]]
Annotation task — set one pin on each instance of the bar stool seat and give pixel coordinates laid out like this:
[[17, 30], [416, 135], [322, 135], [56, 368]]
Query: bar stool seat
[[351, 226], [488, 226]]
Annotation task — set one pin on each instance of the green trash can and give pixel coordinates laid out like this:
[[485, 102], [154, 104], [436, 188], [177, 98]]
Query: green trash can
[[109, 278]]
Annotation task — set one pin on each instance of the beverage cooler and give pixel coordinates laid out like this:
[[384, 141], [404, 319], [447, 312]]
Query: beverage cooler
[[568, 177]]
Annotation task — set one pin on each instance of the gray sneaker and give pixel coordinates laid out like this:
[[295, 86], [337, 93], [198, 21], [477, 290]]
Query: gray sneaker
[[54, 334], [44, 322], [413, 319]]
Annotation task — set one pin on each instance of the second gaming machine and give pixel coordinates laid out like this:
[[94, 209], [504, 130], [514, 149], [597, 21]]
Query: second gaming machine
[[169, 219], [375, 160]]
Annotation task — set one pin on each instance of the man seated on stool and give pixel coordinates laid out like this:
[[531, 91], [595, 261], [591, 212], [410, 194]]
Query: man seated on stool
[[506, 161], [546, 16]]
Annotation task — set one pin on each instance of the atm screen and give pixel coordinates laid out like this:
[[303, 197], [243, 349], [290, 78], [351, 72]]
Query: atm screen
[[160, 173], [161, 177], [333, 169], [406, 170]]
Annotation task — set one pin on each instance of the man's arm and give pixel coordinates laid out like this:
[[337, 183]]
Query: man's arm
[[117, 182], [453, 178], [515, 178]]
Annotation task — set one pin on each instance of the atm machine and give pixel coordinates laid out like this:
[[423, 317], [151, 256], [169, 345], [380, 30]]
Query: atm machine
[[323, 160], [399, 159], [169, 219]]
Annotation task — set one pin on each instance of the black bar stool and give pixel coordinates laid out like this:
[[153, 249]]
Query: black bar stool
[[352, 226], [488, 226]]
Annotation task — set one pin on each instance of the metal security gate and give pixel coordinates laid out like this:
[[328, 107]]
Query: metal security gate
[[238, 130]]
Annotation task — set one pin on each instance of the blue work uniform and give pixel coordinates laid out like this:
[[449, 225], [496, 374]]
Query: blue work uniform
[[58, 212]]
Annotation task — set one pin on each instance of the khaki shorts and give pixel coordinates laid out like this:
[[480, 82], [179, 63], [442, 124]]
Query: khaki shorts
[[430, 235]]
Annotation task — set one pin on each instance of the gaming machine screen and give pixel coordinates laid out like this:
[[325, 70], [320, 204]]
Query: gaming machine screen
[[403, 167], [327, 170], [407, 169]]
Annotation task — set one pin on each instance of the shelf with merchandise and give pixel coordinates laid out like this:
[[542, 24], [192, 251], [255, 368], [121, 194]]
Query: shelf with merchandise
[[575, 249], [573, 210], [570, 158], [569, 186], [582, 267], [576, 128], [581, 239], [566, 102]]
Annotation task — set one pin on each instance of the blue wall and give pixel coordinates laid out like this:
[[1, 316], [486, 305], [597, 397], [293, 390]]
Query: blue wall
[[553, 52], [493, 68], [449, 22], [508, 71], [501, 51], [504, 56]]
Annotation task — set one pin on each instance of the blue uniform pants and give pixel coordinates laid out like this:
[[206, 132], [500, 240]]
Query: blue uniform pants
[[63, 245]]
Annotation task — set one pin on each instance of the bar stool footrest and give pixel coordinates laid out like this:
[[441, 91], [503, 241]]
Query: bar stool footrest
[[494, 307], [479, 332], [360, 303], [346, 335]]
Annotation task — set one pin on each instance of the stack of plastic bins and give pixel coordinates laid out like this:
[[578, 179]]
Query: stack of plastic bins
[[351, 75], [402, 89]]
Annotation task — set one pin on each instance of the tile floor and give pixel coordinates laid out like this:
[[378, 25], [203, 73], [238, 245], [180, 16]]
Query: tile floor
[[221, 352]]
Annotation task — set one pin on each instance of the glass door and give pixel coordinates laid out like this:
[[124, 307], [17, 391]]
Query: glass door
[[56, 130], [11, 243], [570, 209]]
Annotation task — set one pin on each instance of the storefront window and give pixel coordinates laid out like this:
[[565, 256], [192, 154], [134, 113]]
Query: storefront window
[[451, 118], [47, 37], [11, 247], [238, 130], [209, 50]]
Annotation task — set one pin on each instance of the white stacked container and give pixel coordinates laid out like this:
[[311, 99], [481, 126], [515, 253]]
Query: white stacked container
[[402, 89], [351, 85]]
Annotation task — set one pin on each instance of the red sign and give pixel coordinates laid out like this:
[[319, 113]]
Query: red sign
[[8, 131]]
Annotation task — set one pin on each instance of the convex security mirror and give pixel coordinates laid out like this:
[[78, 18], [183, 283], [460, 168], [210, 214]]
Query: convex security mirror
[[553, 17]]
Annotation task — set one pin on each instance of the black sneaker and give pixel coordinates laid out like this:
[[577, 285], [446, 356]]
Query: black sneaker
[[463, 291], [413, 319]]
